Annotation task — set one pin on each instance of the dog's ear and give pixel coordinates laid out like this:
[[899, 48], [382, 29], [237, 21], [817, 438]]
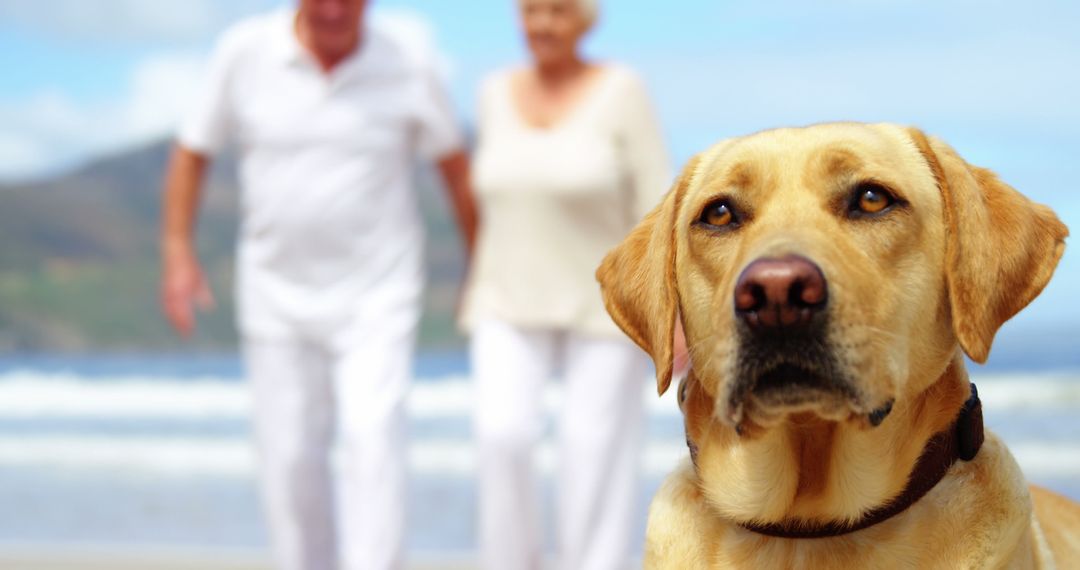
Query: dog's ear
[[1001, 248], [637, 280]]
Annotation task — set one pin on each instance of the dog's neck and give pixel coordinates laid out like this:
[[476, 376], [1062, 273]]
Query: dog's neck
[[824, 476], [961, 441]]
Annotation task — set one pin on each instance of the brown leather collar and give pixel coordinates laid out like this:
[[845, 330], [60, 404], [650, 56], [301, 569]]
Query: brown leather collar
[[961, 440]]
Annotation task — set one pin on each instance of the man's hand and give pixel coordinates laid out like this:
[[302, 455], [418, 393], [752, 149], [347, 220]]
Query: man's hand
[[183, 288], [455, 173]]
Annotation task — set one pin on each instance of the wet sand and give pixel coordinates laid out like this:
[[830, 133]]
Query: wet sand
[[95, 558]]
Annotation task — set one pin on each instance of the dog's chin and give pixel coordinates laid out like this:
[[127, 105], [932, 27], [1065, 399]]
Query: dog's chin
[[770, 411], [767, 399]]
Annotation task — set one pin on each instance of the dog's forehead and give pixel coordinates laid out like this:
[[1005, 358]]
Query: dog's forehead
[[815, 152]]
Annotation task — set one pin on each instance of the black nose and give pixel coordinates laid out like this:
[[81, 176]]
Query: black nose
[[774, 293]]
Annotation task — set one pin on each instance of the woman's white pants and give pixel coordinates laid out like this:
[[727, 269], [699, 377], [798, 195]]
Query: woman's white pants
[[598, 454]]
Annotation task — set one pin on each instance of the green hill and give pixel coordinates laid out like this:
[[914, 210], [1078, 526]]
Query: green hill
[[79, 259]]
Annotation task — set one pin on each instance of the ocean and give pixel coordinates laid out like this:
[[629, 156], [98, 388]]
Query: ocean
[[153, 451]]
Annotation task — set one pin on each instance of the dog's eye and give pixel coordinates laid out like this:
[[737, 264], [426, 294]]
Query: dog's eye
[[718, 214], [871, 198]]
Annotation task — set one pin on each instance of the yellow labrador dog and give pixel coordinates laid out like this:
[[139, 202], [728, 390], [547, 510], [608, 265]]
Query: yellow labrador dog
[[827, 279]]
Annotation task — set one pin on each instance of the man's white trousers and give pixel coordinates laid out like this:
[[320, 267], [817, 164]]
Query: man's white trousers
[[310, 394]]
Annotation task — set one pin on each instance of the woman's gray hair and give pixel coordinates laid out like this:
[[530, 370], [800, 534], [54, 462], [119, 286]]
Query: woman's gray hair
[[590, 9]]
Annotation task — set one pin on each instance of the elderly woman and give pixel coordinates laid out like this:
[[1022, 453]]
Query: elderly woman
[[569, 158]]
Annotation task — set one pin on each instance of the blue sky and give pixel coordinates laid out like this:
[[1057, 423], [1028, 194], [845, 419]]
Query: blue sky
[[998, 80]]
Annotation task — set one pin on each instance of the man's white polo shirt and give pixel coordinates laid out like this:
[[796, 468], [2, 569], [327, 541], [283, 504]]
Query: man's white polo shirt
[[330, 226]]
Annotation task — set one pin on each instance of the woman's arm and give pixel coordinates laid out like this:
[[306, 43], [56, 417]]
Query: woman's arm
[[642, 141], [650, 174]]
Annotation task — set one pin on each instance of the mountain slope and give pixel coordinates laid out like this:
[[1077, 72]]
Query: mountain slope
[[79, 259]]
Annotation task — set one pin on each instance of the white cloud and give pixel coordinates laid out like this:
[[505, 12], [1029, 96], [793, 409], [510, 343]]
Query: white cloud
[[51, 130], [988, 81], [127, 20], [22, 154]]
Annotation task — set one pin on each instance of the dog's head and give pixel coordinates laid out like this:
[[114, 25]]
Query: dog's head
[[830, 269]]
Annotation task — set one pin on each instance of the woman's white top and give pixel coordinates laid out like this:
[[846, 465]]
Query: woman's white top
[[553, 201]]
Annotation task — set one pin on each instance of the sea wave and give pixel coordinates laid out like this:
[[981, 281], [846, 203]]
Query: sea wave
[[215, 457], [185, 427], [25, 394]]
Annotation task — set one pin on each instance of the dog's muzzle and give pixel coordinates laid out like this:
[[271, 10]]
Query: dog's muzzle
[[785, 358]]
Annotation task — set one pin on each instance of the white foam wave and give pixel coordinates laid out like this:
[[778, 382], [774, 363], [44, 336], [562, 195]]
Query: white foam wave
[[1017, 392], [34, 395], [194, 457], [66, 395], [1039, 460], [40, 395]]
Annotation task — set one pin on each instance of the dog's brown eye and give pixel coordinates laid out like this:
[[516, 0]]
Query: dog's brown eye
[[718, 214], [872, 199]]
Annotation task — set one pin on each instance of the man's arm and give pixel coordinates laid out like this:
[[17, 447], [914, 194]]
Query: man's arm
[[455, 173], [183, 284]]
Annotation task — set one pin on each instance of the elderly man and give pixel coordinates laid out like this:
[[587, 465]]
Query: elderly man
[[327, 115]]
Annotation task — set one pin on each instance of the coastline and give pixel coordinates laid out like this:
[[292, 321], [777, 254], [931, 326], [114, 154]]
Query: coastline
[[126, 557]]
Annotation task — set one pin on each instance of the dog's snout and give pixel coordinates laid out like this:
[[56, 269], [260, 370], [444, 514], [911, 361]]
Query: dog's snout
[[780, 292]]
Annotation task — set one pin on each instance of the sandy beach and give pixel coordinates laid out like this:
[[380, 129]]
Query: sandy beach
[[126, 558]]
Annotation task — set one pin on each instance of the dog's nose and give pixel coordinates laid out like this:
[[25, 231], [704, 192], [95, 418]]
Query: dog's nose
[[780, 292]]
